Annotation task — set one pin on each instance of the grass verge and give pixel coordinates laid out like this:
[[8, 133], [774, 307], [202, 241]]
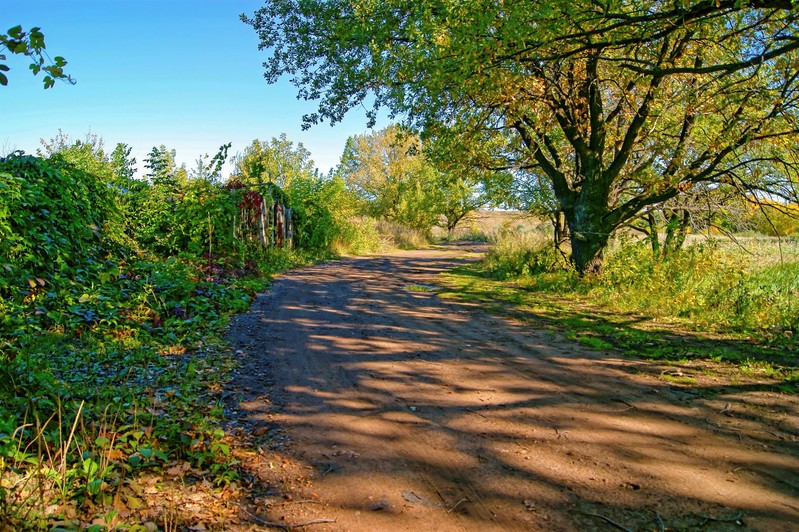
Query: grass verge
[[701, 306]]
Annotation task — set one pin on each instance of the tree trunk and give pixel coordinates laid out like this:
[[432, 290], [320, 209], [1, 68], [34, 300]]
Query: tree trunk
[[452, 222], [588, 256], [560, 229], [676, 231], [653, 234], [588, 227]]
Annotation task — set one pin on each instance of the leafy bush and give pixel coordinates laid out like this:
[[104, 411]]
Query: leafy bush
[[318, 211], [358, 236], [196, 218], [52, 216], [141, 328], [324, 218], [776, 219], [713, 286]]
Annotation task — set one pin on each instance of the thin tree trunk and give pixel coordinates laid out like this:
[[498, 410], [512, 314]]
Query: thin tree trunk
[[653, 234]]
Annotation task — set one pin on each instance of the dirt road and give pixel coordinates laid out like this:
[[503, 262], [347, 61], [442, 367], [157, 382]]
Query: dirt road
[[382, 406]]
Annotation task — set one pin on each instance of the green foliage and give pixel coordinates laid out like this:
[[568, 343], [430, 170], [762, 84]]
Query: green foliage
[[122, 164], [196, 218], [52, 216], [31, 44], [211, 170], [517, 253], [162, 168], [277, 161], [320, 211], [392, 180], [612, 108], [708, 286], [358, 236], [774, 219], [711, 286], [394, 235], [143, 328]]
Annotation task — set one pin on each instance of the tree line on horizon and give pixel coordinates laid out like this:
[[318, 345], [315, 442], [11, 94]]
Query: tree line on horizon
[[619, 115]]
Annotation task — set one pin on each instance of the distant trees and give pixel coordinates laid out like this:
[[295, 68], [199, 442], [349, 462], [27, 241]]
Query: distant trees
[[123, 164], [456, 197], [210, 168], [390, 174], [276, 161], [163, 169], [88, 154]]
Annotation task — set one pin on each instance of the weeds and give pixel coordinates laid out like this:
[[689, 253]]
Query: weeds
[[516, 254], [359, 236], [399, 236], [111, 311], [711, 301], [106, 380]]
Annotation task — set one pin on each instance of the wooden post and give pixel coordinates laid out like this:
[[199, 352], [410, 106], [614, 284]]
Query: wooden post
[[263, 222]]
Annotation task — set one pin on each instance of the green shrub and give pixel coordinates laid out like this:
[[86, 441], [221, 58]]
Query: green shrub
[[358, 236], [713, 286], [52, 217], [709, 284]]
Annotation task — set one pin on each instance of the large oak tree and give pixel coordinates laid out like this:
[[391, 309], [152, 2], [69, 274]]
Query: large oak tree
[[619, 104]]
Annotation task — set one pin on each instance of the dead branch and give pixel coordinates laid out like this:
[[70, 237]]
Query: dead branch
[[609, 521], [720, 427], [284, 526], [734, 519], [629, 407], [457, 504], [300, 501], [289, 526]]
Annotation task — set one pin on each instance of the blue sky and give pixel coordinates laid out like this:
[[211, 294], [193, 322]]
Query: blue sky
[[183, 73]]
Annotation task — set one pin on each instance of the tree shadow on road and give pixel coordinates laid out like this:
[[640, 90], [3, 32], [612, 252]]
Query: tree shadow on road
[[404, 408]]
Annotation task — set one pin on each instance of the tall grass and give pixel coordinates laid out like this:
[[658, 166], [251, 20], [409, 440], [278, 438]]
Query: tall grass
[[358, 236], [517, 253], [712, 284], [361, 235], [398, 236], [489, 225]]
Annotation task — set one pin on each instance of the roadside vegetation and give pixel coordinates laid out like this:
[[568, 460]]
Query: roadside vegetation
[[114, 297], [719, 300], [116, 284]]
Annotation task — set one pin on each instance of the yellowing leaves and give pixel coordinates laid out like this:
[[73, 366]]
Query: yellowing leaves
[[115, 455]]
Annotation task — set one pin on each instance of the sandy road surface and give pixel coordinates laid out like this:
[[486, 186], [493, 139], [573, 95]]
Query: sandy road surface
[[391, 408]]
